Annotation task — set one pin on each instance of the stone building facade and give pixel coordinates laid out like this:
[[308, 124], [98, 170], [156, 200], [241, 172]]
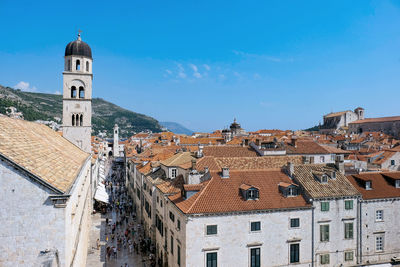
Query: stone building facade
[[387, 125], [46, 196], [340, 120]]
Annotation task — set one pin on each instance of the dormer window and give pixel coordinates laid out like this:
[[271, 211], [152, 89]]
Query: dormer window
[[397, 183], [289, 190], [292, 191], [249, 192], [324, 179], [368, 185], [252, 193], [333, 175]]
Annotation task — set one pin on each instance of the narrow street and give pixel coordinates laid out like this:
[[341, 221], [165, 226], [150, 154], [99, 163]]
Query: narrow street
[[116, 239]]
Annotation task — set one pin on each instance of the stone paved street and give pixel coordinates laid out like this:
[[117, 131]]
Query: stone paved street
[[126, 255]]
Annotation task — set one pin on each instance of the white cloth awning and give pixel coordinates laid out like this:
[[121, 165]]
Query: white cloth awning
[[101, 193]]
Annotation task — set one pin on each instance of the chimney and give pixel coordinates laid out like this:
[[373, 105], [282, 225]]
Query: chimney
[[339, 163], [193, 164], [294, 141], [225, 172], [290, 169], [200, 152]]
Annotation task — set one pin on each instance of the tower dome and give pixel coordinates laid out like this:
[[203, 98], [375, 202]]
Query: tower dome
[[78, 48]]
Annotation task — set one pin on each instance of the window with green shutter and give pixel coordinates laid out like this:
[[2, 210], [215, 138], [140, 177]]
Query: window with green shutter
[[348, 204], [325, 206], [348, 230], [324, 232]]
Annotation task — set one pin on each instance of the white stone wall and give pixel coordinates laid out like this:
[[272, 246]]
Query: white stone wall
[[337, 245], [389, 228], [323, 158], [387, 164], [234, 238], [77, 218], [29, 222]]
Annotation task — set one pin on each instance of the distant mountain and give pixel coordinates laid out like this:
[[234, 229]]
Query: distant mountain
[[176, 128], [48, 107]]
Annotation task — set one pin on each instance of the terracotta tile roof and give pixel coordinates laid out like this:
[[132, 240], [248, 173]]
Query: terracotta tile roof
[[222, 194], [256, 163], [386, 155], [335, 150], [382, 119], [229, 151], [338, 187], [203, 141], [306, 147], [382, 184], [207, 162], [41, 151], [178, 159]]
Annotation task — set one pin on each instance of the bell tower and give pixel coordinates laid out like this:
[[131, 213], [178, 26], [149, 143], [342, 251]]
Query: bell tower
[[77, 94]]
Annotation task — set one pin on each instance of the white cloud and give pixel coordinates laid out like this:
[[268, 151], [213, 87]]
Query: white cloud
[[168, 71], [24, 86], [207, 67], [181, 71], [195, 69]]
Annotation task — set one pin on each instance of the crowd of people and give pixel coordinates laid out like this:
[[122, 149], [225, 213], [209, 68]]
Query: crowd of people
[[123, 234]]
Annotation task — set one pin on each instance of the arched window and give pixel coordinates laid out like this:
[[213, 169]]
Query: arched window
[[73, 119], [81, 92], [73, 92], [81, 120], [69, 65], [78, 65], [87, 66]]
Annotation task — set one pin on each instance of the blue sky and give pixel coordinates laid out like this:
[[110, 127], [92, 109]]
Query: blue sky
[[270, 64]]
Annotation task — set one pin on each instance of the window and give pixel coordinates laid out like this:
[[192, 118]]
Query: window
[[324, 179], [73, 92], [368, 185], [172, 245], [324, 206], [179, 225], [255, 257], [294, 223], [292, 191], [144, 186], [324, 258], [294, 253], [348, 256], [78, 65], [322, 159], [392, 162], [81, 92], [379, 215], [211, 259], [73, 119], [158, 199], [173, 173], [379, 243], [348, 230], [211, 229], [252, 193], [172, 216], [87, 66], [69, 65], [348, 204], [324, 232], [138, 193], [397, 183], [80, 120], [255, 226], [179, 255]]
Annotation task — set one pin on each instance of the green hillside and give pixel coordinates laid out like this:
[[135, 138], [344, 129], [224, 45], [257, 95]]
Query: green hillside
[[40, 106]]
